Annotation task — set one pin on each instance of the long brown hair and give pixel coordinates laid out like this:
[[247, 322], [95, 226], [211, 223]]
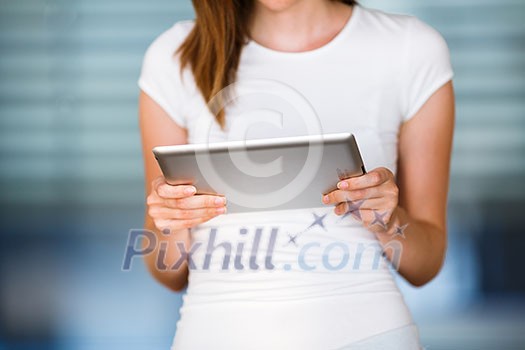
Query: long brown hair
[[213, 47]]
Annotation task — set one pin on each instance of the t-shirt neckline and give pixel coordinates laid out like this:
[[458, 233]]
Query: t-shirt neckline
[[350, 23]]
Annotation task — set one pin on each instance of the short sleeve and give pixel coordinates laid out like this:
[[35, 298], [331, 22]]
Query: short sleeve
[[427, 65], [160, 75]]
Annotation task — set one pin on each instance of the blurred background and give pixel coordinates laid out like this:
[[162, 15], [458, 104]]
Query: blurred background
[[68, 133]]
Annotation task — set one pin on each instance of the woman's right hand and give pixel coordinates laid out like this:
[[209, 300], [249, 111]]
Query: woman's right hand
[[176, 207]]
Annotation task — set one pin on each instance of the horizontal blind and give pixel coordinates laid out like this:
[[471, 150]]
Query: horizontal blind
[[69, 97], [68, 110], [487, 45]]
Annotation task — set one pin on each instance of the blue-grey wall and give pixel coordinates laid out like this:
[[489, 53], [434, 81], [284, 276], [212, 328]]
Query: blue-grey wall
[[71, 176]]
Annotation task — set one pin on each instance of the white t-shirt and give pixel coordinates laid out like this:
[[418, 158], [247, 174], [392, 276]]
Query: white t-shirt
[[329, 287]]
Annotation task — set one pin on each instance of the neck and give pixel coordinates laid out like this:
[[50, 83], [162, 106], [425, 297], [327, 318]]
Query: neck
[[303, 26]]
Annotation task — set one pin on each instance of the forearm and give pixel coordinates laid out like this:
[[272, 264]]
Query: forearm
[[164, 262], [421, 246]]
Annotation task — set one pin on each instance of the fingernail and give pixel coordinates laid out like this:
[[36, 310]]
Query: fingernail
[[220, 200], [190, 190], [221, 210], [325, 199], [342, 185]]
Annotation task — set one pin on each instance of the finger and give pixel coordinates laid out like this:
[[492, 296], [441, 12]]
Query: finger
[[154, 199], [340, 208], [174, 225], [336, 197], [375, 219], [346, 209], [371, 218], [168, 191], [165, 213], [377, 204], [370, 179], [339, 196], [156, 182], [197, 201]]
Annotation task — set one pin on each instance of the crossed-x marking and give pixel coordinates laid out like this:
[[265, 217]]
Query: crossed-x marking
[[318, 221], [353, 208]]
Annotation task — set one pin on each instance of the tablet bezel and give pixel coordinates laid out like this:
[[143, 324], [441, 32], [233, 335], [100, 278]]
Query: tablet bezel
[[346, 142]]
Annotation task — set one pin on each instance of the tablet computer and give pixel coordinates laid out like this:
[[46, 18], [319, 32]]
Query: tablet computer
[[264, 174]]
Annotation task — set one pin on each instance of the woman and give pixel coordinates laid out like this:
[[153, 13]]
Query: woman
[[387, 79]]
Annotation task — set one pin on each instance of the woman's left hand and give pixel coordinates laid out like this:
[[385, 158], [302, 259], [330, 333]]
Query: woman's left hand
[[371, 198]]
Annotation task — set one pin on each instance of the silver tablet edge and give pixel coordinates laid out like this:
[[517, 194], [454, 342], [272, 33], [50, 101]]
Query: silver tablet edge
[[228, 146]]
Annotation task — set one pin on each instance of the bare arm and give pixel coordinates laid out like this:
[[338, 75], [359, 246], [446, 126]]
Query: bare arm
[[158, 129], [425, 145], [169, 207], [414, 204]]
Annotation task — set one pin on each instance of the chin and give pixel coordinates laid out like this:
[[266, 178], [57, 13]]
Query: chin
[[278, 5]]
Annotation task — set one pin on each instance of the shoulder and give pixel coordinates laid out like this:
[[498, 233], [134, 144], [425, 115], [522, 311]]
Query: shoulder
[[161, 50], [399, 27], [160, 72]]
